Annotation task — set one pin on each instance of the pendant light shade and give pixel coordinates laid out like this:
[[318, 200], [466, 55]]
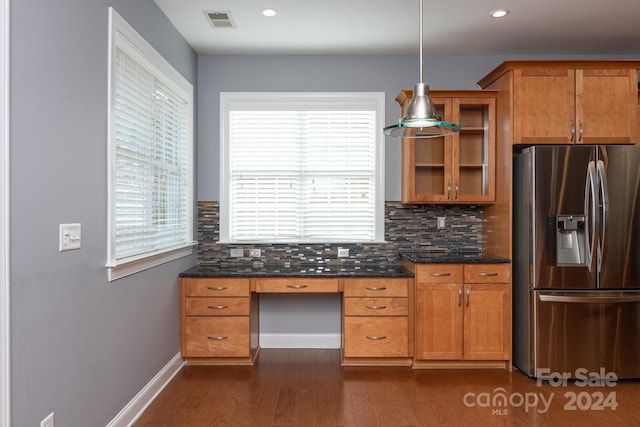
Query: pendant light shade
[[420, 119]]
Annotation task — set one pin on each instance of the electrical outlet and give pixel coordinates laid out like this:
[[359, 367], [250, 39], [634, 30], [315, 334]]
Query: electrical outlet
[[441, 222], [255, 253], [48, 421], [343, 252], [236, 253], [70, 237]]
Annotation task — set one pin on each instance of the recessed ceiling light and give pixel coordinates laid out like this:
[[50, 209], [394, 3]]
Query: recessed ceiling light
[[269, 12], [499, 13]]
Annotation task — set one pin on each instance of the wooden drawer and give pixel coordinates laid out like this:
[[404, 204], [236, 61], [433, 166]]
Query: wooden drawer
[[438, 273], [487, 273], [232, 306], [376, 306], [376, 287], [216, 337], [296, 285], [376, 337], [212, 287]]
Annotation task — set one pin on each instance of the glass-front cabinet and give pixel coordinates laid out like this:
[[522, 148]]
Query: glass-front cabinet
[[453, 169]]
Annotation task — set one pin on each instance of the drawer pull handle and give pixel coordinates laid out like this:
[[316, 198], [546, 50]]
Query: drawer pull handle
[[468, 297], [376, 338], [487, 274], [217, 288], [459, 297], [376, 307], [218, 307], [376, 289], [220, 338], [440, 274], [296, 286]]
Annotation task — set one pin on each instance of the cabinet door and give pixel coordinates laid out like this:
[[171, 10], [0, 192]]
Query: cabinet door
[[606, 106], [474, 150], [487, 316], [427, 163], [543, 106], [439, 314]]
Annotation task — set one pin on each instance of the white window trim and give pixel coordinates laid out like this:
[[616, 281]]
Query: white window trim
[[5, 365], [123, 36], [226, 98]]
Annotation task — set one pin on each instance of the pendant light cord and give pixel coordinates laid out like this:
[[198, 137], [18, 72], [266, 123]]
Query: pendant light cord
[[420, 14]]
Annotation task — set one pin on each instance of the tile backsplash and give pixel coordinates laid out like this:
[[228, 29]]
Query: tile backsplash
[[407, 228]]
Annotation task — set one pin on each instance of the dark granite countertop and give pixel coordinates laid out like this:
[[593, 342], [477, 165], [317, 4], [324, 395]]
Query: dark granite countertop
[[260, 269], [441, 257], [311, 270]]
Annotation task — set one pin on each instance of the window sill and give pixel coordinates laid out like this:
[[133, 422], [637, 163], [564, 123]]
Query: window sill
[[129, 267]]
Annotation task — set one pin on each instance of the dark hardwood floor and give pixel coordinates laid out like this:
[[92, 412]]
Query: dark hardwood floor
[[310, 388]]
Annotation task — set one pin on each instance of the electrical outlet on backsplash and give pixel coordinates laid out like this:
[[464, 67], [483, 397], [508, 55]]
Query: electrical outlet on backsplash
[[407, 228]]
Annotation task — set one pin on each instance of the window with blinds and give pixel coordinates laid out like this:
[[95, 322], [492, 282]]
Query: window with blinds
[[150, 156], [302, 167]]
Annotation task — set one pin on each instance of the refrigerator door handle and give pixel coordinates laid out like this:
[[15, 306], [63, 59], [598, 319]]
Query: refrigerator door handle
[[589, 299], [590, 211], [604, 200]]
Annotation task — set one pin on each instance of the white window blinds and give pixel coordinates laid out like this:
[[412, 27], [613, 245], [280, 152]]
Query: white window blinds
[[304, 169], [150, 159]]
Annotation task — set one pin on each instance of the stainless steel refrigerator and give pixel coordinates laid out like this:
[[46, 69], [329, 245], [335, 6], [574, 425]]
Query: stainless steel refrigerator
[[576, 260]]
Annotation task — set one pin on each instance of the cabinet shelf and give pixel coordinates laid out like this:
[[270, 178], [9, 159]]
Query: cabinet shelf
[[429, 165], [473, 129]]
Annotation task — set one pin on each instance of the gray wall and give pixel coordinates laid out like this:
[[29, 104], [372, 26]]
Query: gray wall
[[80, 346]]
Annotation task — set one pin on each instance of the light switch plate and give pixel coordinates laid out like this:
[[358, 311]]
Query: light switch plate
[[70, 237], [48, 421]]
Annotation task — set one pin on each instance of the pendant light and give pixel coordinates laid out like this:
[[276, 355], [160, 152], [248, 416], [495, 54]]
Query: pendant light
[[420, 119]]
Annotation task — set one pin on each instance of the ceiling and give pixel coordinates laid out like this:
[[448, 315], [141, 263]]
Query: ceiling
[[382, 27]]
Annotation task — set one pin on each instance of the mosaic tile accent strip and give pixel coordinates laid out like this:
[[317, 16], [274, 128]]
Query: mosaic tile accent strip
[[407, 228]]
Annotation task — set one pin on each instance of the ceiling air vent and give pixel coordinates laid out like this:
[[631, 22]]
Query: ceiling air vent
[[219, 19]]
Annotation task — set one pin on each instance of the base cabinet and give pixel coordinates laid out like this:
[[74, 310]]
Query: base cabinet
[[218, 321], [463, 315], [377, 321]]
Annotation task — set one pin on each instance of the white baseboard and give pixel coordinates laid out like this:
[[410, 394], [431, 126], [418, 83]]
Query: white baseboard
[[139, 403], [333, 341]]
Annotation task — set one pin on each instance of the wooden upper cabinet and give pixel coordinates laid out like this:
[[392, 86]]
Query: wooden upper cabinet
[[453, 169], [570, 102]]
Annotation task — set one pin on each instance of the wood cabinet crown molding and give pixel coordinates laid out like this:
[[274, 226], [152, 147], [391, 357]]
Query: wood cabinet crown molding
[[506, 66]]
